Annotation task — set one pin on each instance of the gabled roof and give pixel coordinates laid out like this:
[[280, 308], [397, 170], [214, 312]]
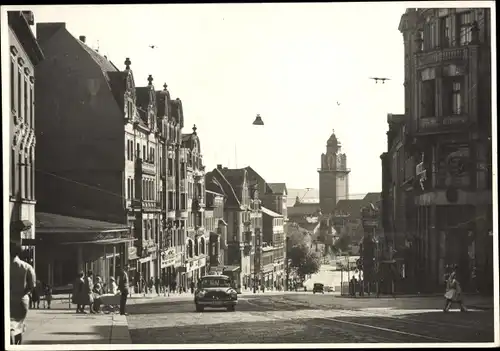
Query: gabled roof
[[278, 188], [373, 198], [236, 178], [262, 184], [217, 182], [270, 213]]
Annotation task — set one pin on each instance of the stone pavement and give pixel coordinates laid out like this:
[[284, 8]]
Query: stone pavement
[[60, 325]]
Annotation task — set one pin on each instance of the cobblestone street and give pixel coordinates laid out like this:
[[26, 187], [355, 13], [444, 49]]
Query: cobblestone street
[[307, 318]]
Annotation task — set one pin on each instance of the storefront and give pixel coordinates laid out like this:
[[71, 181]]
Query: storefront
[[68, 245], [167, 265]]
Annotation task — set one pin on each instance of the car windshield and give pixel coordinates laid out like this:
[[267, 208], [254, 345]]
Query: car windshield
[[215, 283]]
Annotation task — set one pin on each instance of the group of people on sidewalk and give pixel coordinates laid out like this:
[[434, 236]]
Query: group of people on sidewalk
[[94, 293]]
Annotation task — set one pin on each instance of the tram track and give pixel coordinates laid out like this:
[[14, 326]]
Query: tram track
[[359, 330]]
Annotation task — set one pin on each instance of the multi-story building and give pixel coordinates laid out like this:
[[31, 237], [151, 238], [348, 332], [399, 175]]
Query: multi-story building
[[273, 249], [97, 159], [191, 211], [144, 153], [173, 241], [439, 155], [244, 220], [25, 54], [217, 229]]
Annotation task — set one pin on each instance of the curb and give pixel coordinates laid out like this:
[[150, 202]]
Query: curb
[[120, 333]]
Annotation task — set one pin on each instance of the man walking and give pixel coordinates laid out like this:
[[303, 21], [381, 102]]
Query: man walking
[[22, 281], [123, 286]]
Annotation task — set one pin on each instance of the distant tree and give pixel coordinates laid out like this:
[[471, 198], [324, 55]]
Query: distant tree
[[303, 260], [342, 244]]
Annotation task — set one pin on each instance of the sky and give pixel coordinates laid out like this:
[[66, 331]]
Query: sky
[[291, 63]]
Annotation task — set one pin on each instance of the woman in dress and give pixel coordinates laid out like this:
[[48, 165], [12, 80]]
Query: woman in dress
[[77, 296], [453, 293]]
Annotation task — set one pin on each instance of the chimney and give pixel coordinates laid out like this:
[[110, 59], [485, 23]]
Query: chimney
[[219, 167], [82, 38]]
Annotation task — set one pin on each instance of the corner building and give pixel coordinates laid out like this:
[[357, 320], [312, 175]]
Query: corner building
[[25, 54], [444, 160]]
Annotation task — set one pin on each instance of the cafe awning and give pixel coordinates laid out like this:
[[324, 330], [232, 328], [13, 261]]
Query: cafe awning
[[59, 229]]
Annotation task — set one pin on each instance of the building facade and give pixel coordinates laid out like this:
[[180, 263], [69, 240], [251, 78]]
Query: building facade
[[217, 230], [25, 54], [273, 249], [439, 157], [192, 209], [333, 176]]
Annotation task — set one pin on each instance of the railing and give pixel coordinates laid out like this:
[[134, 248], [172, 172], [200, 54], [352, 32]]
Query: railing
[[146, 167], [442, 55]]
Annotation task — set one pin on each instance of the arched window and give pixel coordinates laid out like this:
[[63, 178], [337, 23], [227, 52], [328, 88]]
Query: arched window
[[190, 248], [197, 249]]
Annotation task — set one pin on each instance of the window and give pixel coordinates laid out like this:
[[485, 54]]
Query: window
[[456, 97], [19, 93], [465, 25], [27, 181], [27, 115], [145, 155], [428, 98], [32, 106], [12, 172], [138, 151], [151, 154], [132, 188], [453, 91], [32, 170], [170, 204], [430, 36], [12, 85], [447, 31]]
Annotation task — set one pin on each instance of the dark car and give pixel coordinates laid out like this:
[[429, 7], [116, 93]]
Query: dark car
[[318, 287], [215, 291]]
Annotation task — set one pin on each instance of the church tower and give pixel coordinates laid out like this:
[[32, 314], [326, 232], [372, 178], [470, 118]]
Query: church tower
[[333, 176]]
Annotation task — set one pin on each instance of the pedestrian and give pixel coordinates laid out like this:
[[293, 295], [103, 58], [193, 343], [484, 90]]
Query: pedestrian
[[36, 296], [453, 293], [151, 284], [97, 292], [22, 281], [78, 290], [123, 286], [157, 285], [192, 286], [48, 295], [88, 292], [474, 280]]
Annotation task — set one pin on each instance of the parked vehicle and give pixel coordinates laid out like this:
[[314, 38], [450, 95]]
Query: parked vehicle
[[215, 291], [318, 287]]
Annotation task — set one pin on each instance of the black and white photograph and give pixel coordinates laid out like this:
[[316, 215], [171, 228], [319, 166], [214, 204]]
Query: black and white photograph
[[250, 175]]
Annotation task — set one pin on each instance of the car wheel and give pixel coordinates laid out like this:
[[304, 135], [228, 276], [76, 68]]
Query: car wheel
[[231, 309], [199, 308]]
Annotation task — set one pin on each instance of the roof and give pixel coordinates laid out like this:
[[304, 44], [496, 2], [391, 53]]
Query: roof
[[50, 222], [352, 207], [236, 178], [303, 209], [214, 193], [263, 186], [278, 188], [217, 182], [270, 213], [373, 198]]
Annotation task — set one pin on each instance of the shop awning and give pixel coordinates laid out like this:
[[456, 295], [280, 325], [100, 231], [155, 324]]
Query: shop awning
[[58, 229]]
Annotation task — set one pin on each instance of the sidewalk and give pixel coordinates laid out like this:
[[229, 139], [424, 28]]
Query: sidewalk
[[61, 325], [475, 301]]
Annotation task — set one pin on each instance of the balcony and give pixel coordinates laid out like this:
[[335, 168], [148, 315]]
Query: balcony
[[170, 183], [183, 155], [436, 125], [182, 213], [439, 56], [146, 166], [151, 205], [183, 186]]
